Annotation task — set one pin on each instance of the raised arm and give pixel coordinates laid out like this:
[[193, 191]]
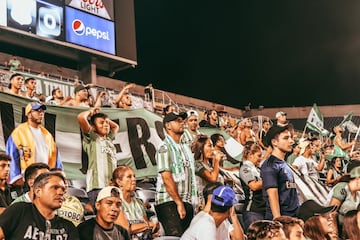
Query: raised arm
[[113, 126], [344, 146], [123, 91], [212, 176], [98, 99], [83, 119]]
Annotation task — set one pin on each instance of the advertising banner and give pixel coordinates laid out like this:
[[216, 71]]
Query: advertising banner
[[101, 8], [89, 31]]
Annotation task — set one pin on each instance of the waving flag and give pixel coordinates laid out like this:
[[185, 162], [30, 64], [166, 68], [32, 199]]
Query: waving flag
[[350, 126], [315, 121], [346, 118]]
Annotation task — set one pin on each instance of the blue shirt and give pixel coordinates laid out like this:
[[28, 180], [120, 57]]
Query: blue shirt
[[275, 173]]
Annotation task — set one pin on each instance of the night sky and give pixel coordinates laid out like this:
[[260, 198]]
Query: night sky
[[270, 53]]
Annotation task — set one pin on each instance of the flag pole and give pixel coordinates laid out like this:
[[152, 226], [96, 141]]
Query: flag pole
[[357, 134], [303, 134]]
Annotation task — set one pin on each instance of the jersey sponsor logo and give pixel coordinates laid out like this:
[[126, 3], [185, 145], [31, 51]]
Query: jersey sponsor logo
[[290, 185]]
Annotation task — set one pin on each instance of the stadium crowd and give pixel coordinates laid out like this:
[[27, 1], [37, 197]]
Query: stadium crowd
[[194, 198]]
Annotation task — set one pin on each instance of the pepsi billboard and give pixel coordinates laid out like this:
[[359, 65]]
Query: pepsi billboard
[[89, 31]]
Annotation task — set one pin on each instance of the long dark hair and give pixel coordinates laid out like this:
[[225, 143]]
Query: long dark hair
[[197, 146], [314, 230], [350, 227]]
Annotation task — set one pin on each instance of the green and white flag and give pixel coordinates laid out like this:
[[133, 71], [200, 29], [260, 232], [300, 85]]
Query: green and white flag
[[315, 121], [347, 117]]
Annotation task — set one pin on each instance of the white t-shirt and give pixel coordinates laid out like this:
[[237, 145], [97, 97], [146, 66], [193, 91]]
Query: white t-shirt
[[306, 166], [197, 230], [202, 227], [41, 148]]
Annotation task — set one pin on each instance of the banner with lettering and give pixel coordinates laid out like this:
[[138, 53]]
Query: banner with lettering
[[140, 133]]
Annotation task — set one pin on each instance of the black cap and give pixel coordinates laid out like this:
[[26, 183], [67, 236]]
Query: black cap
[[173, 116], [311, 208], [80, 87], [273, 131]]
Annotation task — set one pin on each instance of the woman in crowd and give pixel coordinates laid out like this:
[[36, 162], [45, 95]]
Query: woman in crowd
[[265, 230], [135, 219], [335, 171], [292, 226], [207, 160], [346, 194], [351, 229], [318, 220], [254, 206], [227, 162]]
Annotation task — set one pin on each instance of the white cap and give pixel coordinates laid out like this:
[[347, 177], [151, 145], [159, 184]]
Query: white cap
[[279, 114], [109, 191], [192, 112]]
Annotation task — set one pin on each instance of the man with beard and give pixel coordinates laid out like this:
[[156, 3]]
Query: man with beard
[[176, 182], [57, 97], [279, 187], [38, 220], [31, 142], [81, 97]]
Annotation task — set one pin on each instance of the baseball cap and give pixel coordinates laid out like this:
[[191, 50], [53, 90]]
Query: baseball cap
[[311, 208], [355, 172], [279, 114], [273, 131], [34, 106], [223, 196], [109, 191], [80, 87], [192, 112], [303, 146], [173, 116]]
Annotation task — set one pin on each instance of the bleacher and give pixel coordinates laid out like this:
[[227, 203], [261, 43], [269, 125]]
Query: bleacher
[[159, 101]]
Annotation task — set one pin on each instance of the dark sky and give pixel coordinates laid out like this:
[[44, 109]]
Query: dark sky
[[271, 53]]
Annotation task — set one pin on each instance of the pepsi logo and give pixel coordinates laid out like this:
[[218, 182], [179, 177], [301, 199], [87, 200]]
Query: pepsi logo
[[78, 27]]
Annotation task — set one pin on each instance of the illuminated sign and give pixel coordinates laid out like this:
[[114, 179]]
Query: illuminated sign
[[89, 31], [101, 8], [39, 17]]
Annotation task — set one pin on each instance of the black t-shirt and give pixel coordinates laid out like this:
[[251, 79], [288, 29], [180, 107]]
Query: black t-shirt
[[23, 221], [9, 194], [90, 230]]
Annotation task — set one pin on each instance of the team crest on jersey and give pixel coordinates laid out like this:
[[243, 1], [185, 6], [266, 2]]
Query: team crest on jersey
[[163, 149]]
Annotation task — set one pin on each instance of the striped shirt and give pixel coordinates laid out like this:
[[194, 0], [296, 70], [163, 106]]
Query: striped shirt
[[188, 136], [178, 159], [102, 162]]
